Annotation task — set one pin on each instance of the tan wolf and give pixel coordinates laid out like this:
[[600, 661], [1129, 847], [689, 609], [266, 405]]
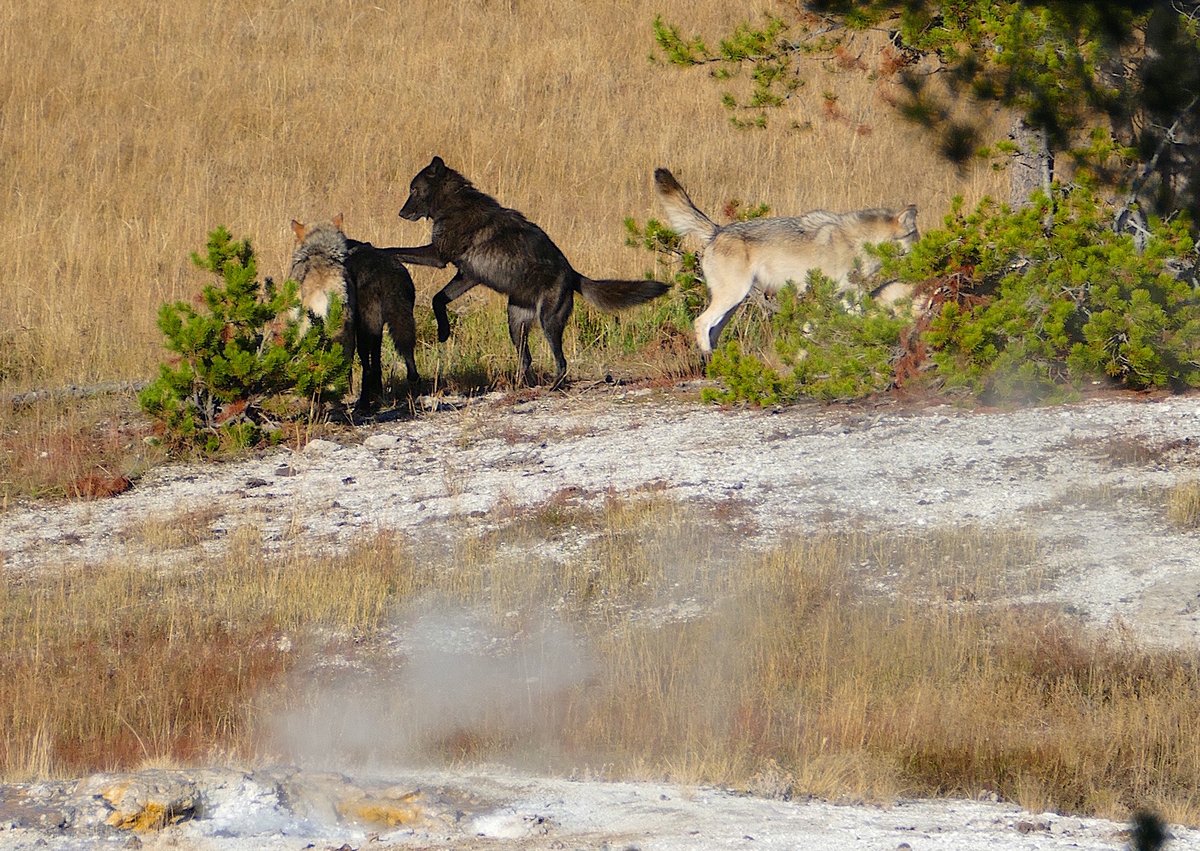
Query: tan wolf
[[375, 288], [498, 247], [768, 253]]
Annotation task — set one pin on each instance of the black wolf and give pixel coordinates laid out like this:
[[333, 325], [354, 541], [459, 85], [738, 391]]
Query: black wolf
[[501, 249], [384, 295], [376, 289]]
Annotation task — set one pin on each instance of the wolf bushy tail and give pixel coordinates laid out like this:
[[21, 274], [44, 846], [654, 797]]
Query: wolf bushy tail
[[683, 216], [617, 295]]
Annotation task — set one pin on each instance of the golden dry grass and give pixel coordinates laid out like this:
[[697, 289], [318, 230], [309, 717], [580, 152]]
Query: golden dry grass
[[1183, 504], [117, 664], [131, 130], [652, 646]]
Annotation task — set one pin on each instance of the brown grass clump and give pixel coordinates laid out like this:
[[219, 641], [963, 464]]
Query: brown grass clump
[[1183, 505], [87, 449], [114, 665]]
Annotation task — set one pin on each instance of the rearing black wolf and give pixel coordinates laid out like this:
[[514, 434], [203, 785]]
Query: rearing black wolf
[[501, 249]]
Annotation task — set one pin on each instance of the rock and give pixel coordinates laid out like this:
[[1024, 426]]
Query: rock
[[392, 808], [149, 800], [380, 442]]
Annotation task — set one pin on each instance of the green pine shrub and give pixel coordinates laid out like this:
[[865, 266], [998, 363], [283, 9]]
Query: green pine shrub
[[818, 349], [1050, 296], [242, 367]]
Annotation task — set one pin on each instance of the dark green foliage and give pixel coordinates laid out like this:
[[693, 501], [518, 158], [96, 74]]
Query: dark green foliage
[[240, 366], [1050, 296], [746, 378], [820, 349], [1069, 70]]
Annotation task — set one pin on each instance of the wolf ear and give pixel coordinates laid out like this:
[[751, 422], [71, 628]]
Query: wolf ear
[[298, 230], [337, 221], [437, 165], [908, 217]]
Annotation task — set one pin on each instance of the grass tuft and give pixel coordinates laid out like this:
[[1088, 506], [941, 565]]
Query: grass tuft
[[1183, 505]]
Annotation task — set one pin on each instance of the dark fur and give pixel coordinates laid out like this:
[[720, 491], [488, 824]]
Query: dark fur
[[1149, 831], [378, 291], [501, 249], [384, 294]]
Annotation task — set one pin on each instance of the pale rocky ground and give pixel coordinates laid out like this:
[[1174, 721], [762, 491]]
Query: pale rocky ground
[[1088, 480]]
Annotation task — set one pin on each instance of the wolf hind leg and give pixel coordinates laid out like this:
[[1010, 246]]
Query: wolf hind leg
[[520, 320], [553, 315], [369, 350], [712, 321], [403, 330]]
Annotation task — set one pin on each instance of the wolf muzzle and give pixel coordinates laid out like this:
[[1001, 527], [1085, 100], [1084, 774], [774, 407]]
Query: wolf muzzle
[[411, 211]]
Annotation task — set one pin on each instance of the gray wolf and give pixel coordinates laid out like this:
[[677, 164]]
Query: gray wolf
[[499, 248], [319, 267], [376, 289], [769, 252]]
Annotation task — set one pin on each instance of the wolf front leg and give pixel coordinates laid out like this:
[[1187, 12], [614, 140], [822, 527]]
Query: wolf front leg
[[422, 255]]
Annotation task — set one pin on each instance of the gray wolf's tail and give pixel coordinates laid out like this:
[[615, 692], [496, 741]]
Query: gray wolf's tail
[[616, 295], [682, 215]]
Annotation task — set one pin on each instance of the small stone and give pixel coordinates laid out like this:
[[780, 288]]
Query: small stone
[[380, 442]]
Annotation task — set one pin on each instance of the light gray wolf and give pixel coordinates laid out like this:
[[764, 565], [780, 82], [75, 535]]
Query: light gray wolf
[[767, 253], [376, 290], [501, 249], [319, 267]]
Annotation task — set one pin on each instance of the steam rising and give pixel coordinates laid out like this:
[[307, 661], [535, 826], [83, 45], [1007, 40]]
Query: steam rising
[[460, 678]]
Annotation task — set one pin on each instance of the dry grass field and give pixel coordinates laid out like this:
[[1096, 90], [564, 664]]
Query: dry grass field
[[129, 131]]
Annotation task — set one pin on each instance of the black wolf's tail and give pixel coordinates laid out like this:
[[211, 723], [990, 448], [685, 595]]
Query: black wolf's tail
[[616, 295], [683, 216]]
